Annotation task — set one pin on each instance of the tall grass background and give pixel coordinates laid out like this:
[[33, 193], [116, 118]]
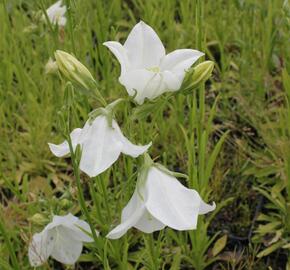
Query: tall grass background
[[231, 136]]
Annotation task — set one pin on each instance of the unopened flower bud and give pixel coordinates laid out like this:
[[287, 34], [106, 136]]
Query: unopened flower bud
[[202, 72], [65, 203], [38, 219], [197, 75], [74, 71]]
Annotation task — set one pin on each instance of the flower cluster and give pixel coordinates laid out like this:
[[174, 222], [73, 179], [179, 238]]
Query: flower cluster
[[159, 199]]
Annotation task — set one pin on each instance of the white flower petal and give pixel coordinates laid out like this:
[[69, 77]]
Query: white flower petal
[[148, 224], [63, 220], [204, 208], [62, 239], [147, 84], [62, 10], [133, 205], [53, 8], [159, 83], [145, 223], [170, 202], [120, 53], [81, 230], [101, 145], [144, 48], [129, 148], [40, 248], [132, 212], [180, 60], [136, 80], [171, 80], [74, 232], [75, 227], [62, 21], [62, 149], [100, 149], [122, 228], [56, 13], [154, 88], [66, 249]]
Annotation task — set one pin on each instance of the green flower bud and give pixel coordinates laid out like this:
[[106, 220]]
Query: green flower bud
[[202, 72], [65, 203], [74, 71], [197, 75], [38, 219]]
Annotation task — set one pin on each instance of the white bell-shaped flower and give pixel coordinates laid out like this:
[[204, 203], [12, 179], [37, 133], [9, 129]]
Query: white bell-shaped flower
[[61, 239], [161, 200], [146, 71], [56, 14], [101, 145]]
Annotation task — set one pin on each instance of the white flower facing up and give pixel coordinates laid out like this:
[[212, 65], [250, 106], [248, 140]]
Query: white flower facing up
[[146, 71], [56, 14], [160, 200], [101, 145], [61, 239]]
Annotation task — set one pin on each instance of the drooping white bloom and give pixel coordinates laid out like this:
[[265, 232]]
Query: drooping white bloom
[[56, 13], [146, 68], [61, 239], [101, 145], [158, 202]]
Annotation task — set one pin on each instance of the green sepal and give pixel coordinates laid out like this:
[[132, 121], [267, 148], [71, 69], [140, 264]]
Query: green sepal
[[168, 172]]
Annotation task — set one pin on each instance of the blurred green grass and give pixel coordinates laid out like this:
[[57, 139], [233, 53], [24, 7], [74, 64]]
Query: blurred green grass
[[249, 42]]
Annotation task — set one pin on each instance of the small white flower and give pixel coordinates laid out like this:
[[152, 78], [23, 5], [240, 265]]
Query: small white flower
[[146, 68], [101, 145], [56, 13], [61, 239], [158, 202]]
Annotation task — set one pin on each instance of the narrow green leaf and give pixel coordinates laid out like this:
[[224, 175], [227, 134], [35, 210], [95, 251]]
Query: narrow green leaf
[[219, 245], [270, 249]]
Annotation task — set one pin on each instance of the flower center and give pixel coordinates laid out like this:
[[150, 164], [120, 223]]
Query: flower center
[[154, 69]]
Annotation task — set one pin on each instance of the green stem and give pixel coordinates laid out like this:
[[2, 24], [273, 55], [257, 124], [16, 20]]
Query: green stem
[[80, 191], [70, 25], [95, 200], [201, 90], [106, 200], [152, 252], [99, 97], [55, 37]]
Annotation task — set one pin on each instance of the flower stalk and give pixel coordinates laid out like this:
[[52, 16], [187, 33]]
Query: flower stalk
[[82, 201]]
